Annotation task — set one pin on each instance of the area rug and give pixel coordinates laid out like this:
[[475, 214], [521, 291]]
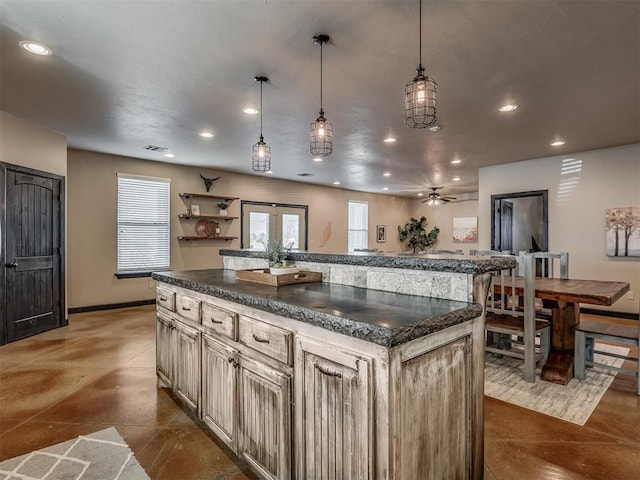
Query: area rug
[[102, 455], [574, 402]]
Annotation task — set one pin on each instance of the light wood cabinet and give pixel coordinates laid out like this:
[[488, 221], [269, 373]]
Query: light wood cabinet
[[187, 364], [333, 421], [164, 350], [360, 411], [219, 397], [264, 420]]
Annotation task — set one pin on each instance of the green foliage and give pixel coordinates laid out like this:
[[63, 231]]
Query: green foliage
[[415, 234], [276, 251]]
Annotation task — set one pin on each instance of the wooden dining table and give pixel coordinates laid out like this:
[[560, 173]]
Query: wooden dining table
[[563, 297]]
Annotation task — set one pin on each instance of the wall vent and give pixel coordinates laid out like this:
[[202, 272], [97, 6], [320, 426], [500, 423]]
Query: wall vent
[[305, 174], [155, 148]]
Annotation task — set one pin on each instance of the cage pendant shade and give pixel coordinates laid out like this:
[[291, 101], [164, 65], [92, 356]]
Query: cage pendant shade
[[261, 152], [321, 131], [420, 101], [420, 95]]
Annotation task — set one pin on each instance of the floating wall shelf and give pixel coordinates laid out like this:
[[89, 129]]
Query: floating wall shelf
[[206, 195], [186, 216], [190, 239]]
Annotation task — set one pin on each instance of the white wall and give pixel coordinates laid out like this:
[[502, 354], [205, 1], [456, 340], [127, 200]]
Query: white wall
[[581, 187]]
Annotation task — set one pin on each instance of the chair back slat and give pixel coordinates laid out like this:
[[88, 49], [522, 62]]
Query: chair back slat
[[552, 265]]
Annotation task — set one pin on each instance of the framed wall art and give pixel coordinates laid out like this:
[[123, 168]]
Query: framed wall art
[[381, 233], [465, 229], [623, 232]]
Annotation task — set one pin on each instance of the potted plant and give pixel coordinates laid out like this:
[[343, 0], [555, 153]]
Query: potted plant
[[415, 234], [277, 254], [223, 208]]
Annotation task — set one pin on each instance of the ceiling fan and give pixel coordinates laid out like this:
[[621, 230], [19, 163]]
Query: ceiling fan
[[435, 199]]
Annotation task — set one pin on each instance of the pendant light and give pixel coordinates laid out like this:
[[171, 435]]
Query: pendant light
[[321, 130], [420, 95], [261, 152]]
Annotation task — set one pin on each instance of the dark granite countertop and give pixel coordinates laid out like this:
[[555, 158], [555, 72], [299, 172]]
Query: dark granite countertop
[[438, 263], [384, 318]]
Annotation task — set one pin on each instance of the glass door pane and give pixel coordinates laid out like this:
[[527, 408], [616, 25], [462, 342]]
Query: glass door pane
[[291, 230], [258, 230]]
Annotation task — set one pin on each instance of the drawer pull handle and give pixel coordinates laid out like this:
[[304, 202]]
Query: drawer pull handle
[[162, 299], [327, 372], [213, 320], [260, 340], [186, 309]]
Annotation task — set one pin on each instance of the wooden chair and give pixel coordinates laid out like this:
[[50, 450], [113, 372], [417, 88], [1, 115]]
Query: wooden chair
[[552, 265], [587, 331], [511, 320]]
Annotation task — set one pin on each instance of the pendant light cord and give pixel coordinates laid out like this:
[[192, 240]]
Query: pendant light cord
[[261, 109], [321, 77], [420, 34]]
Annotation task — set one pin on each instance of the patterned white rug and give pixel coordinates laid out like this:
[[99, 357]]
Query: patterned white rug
[[574, 402], [103, 455]]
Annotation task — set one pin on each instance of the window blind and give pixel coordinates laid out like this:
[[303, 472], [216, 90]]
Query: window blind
[[358, 225], [143, 223]]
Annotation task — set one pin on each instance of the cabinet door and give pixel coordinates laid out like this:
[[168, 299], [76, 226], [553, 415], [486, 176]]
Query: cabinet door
[[264, 423], [187, 364], [164, 350], [218, 407], [333, 409]]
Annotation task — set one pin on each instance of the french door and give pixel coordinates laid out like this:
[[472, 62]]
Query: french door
[[273, 221]]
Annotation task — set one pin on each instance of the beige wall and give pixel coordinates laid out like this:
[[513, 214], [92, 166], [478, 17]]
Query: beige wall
[[30, 145], [92, 195], [577, 204], [442, 217]]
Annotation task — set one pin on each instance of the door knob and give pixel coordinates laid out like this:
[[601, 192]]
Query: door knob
[[11, 265]]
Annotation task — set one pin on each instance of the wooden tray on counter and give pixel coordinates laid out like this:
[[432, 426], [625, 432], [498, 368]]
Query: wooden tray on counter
[[262, 275]]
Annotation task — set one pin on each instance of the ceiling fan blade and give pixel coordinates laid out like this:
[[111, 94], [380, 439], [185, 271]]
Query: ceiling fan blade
[[444, 199], [447, 198]]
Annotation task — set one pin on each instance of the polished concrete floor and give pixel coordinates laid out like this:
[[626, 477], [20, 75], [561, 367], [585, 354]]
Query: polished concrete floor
[[99, 372]]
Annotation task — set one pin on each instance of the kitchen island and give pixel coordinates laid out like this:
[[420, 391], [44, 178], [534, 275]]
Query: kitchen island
[[328, 380]]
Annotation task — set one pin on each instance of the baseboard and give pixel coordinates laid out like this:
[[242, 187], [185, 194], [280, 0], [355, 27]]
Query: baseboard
[[610, 313], [111, 306]]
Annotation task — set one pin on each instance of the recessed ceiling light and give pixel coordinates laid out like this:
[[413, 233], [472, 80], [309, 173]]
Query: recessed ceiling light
[[169, 155], [456, 161], [456, 179], [206, 134], [317, 159], [435, 128], [36, 48], [390, 140], [251, 111], [386, 174], [420, 194], [269, 171], [385, 188], [557, 143], [336, 183], [509, 107]]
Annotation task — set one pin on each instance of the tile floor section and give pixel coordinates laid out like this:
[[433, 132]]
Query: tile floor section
[[99, 372]]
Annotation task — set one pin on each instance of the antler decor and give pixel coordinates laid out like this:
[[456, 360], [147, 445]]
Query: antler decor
[[208, 181]]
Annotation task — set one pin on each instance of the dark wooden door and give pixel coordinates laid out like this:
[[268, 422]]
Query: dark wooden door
[[506, 226], [33, 266]]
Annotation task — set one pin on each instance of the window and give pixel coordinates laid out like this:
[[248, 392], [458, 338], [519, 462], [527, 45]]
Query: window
[[143, 223], [358, 225]]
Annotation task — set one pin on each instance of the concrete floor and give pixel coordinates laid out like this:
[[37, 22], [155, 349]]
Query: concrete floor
[[100, 372]]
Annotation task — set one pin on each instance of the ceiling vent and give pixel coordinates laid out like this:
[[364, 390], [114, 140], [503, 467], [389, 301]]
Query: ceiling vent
[[305, 174], [155, 148]]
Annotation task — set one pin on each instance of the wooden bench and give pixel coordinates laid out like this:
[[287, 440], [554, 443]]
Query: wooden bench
[[587, 331]]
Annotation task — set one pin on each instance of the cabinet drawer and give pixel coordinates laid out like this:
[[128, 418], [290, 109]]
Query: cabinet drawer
[[272, 341], [188, 307], [166, 299], [219, 320]]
